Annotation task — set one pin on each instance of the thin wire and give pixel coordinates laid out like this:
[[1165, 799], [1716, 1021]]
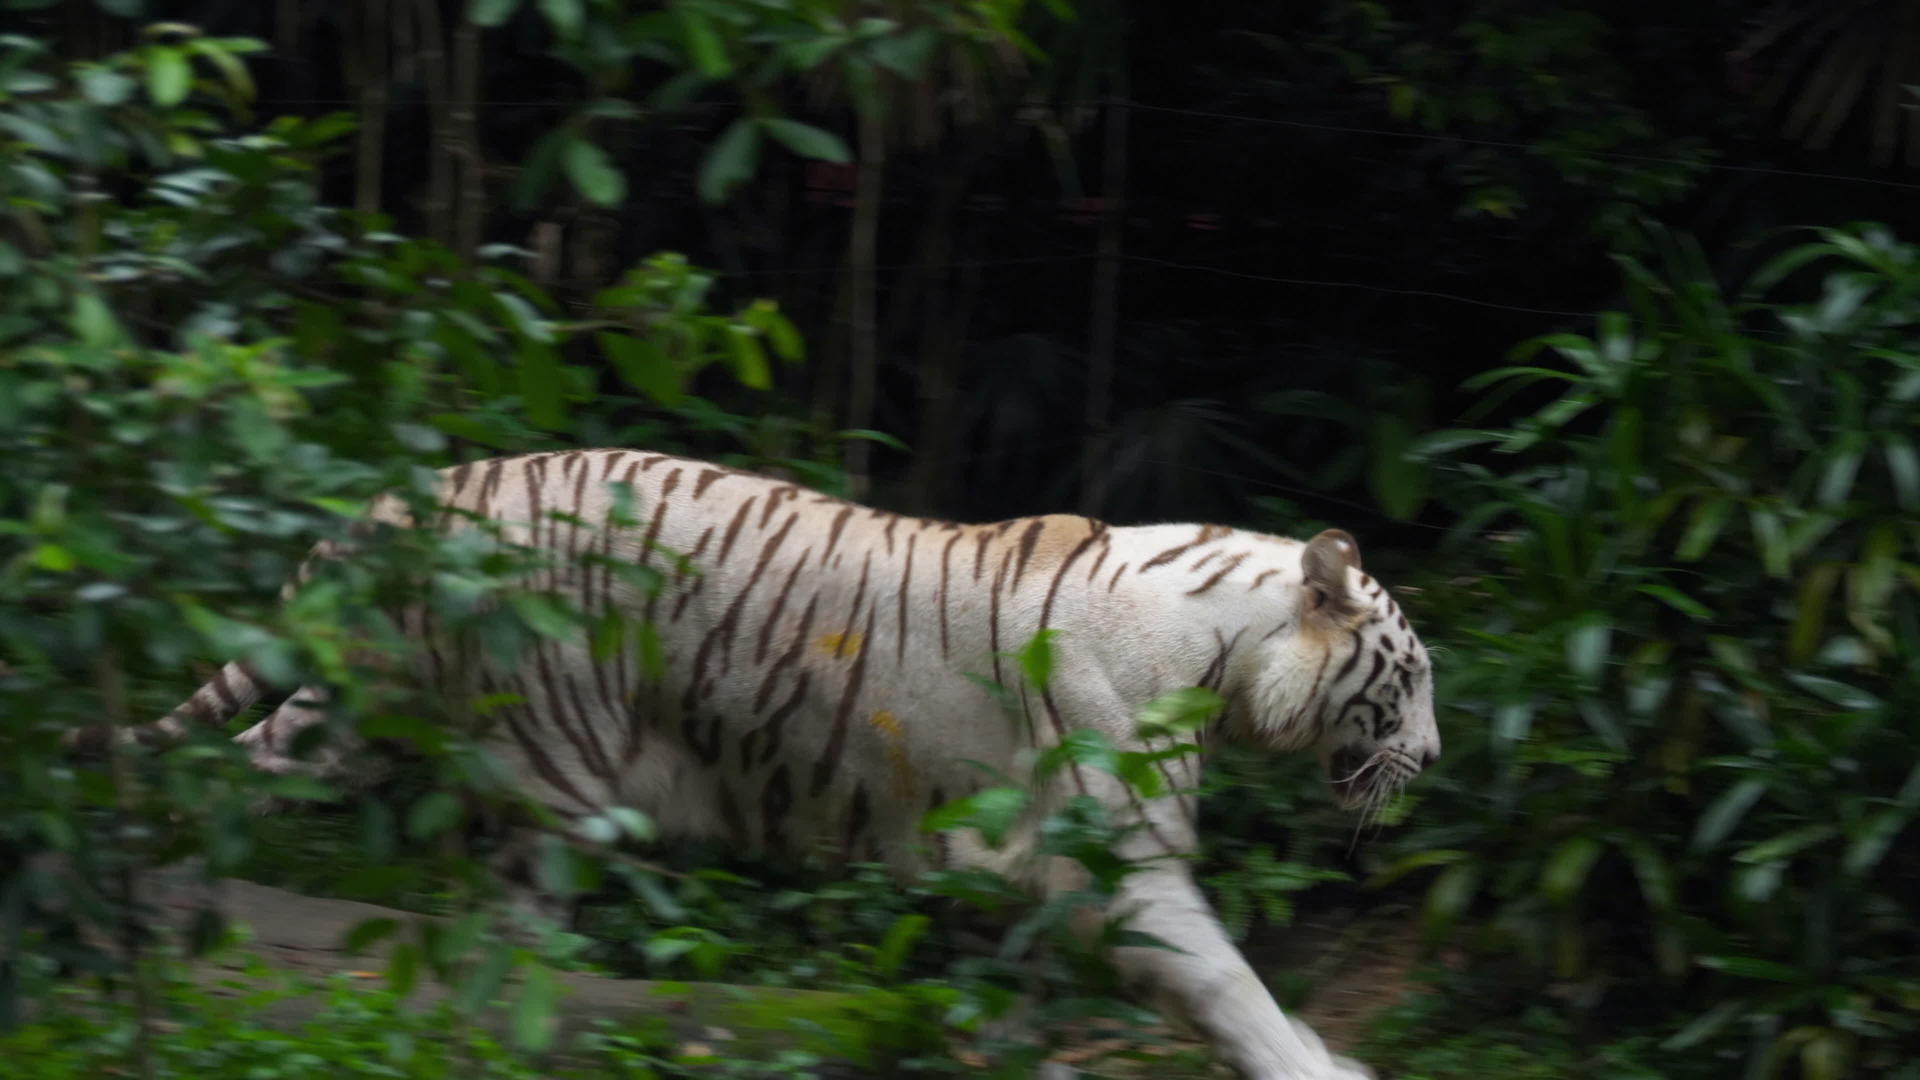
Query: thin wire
[[957, 264], [1208, 114], [1504, 144], [1148, 260], [1360, 285], [1291, 489]]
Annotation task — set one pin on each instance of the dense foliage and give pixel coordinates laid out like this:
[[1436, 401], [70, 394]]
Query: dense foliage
[[1688, 646], [1251, 266]]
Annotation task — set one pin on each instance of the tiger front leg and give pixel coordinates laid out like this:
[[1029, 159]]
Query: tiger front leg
[[1204, 982]]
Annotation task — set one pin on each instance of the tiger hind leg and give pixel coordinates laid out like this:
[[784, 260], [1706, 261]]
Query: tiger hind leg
[[269, 743], [528, 912]]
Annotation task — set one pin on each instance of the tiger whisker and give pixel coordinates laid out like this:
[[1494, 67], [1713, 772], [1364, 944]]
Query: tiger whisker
[[1378, 757]]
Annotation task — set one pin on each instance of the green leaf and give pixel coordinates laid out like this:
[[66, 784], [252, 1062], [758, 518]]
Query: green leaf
[[806, 140], [906, 55], [593, 174], [169, 75], [1589, 644], [1843, 464], [804, 54], [1651, 868], [1678, 601], [1724, 813], [644, 365], [1903, 466], [1752, 967], [1398, 481], [636, 825], [730, 161], [1786, 845], [765, 316], [104, 86], [491, 12], [478, 988], [524, 317], [1706, 1025], [1823, 1056], [367, 933], [1835, 691], [403, 968], [542, 385], [1870, 846], [1036, 659], [1419, 860], [1448, 897], [419, 438], [703, 43], [536, 1018], [1709, 516], [749, 359], [1565, 871], [1872, 842], [1527, 374], [542, 162], [653, 655], [1081, 746], [891, 955], [1770, 537], [432, 814], [565, 16], [53, 557], [1178, 712], [543, 614], [992, 811], [217, 53], [885, 439], [1810, 611], [1513, 721], [93, 322]]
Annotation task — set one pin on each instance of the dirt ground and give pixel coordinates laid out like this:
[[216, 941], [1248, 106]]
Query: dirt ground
[[1356, 967]]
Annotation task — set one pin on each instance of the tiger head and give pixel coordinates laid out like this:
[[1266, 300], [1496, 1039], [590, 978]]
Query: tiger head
[[1347, 677]]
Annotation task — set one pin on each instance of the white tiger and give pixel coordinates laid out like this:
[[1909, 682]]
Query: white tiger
[[815, 682]]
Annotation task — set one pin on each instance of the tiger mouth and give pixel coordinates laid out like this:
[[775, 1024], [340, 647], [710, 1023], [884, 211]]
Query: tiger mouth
[[1348, 775]]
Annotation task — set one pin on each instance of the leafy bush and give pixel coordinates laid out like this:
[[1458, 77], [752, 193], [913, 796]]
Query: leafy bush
[[1684, 680], [200, 377]]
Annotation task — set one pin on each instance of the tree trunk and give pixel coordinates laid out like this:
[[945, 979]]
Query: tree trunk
[[464, 139], [1102, 327], [939, 348], [864, 351], [440, 159], [942, 348], [289, 39], [369, 62]]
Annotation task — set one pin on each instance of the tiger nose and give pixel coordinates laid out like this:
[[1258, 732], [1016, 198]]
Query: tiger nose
[[1428, 756]]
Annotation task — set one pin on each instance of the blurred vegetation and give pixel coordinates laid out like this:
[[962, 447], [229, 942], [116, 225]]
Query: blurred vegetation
[[1568, 314]]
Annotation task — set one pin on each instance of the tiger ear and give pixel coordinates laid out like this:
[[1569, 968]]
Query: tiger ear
[[1324, 564]]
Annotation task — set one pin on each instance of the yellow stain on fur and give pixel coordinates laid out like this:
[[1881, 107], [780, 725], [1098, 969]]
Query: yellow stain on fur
[[841, 646], [889, 725]]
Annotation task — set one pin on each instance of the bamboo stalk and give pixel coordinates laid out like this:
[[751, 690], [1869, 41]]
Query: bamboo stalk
[[440, 160], [1102, 320], [111, 682], [464, 139], [864, 349], [369, 157]]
